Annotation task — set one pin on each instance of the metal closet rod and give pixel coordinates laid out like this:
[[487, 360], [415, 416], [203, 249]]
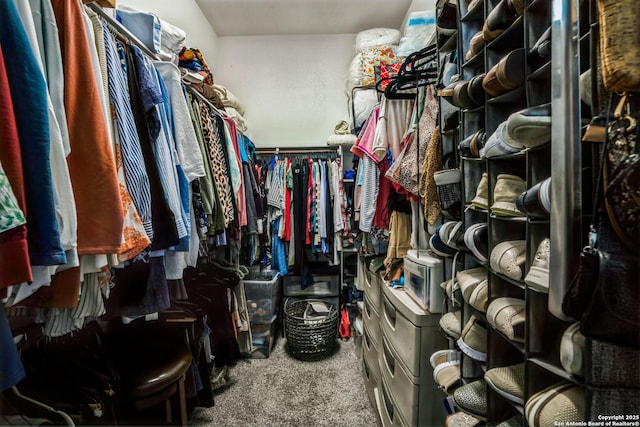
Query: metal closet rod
[[121, 30], [297, 151], [195, 91]]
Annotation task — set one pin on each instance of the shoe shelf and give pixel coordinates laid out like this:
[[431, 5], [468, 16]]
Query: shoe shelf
[[542, 73], [475, 61], [515, 96], [472, 15], [511, 38], [450, 44], [537, 3], [509, 280], [556, 370], [508, 218]]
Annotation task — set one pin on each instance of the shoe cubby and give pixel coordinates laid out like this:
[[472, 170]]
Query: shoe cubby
[[544, 332]]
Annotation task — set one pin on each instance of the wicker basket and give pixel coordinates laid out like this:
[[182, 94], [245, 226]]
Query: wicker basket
[[310, 339], [620, 44]]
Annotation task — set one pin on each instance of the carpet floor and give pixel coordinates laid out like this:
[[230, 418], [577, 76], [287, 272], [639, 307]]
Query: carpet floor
[[283, 391]]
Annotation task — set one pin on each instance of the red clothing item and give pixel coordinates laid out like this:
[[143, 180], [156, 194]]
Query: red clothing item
[[14, 253], [241, 200], [91, 162], [382, 216]]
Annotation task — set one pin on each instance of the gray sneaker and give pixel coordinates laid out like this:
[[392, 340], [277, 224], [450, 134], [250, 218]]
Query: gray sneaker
[[472, 399]]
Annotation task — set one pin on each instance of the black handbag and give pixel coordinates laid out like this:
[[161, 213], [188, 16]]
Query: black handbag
[[605, 294], [622, 176]]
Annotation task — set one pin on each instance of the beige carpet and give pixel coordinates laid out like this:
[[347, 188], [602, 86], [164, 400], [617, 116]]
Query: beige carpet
[[283, 391]]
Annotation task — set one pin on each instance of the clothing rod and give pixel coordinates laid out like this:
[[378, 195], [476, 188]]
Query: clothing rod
[[121, 30], [194, 91], [296, 151]]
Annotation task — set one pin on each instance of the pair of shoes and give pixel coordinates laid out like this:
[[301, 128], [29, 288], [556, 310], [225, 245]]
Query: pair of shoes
[[473, 144], [559, 404], [473, 340], [538, 276], [508, 258], [502, 17], [461, 419], [475, 45], [507, 381], [506, 75], [474, 287], [527, 128], [536, 201], [447, 240], [451, 324], [446, 369], [476, 238], [507, 316], [465, 94], [506, 191]]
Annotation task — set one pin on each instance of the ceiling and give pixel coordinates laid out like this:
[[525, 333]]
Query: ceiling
[[291, 17]]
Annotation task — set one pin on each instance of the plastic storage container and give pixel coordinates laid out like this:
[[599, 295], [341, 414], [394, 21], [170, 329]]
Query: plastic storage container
[[262, 290], [423, 274], [323, 286], [263, 337]]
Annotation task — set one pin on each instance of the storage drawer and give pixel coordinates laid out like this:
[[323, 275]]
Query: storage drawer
[[363, 275], [370, 383], [420, 404], [387, 407], [422, 277], [412, 332], [371, 354], [373, 289], [323, 286], [371, 318]]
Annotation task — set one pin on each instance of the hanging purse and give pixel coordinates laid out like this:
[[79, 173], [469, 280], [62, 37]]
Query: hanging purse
[[590, 264], [608, 273], [622, 176]]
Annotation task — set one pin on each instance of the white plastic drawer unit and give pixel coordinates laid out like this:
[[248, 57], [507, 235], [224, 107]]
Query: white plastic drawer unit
[[419, 404], [370, 380], [370, 354], [323, 286], [387, 407], [423, 274], [373, 288], [412, 332], [371, 318]]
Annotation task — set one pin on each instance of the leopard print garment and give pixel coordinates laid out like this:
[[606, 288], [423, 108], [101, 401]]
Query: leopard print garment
[[428, 189], [218, 165]]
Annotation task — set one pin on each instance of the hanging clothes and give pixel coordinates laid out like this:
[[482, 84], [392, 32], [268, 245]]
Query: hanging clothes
[[29, 97], [91, 162], [165, 233], [15, 267]]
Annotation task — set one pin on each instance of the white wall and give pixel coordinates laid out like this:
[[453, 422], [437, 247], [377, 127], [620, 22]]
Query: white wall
[[187, 15], [292, 87]]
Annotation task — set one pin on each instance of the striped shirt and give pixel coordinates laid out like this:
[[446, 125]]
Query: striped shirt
[[369, 193], [135, 173]]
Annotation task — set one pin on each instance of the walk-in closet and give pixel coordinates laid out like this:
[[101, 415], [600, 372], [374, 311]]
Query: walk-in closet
[[393, 213]]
